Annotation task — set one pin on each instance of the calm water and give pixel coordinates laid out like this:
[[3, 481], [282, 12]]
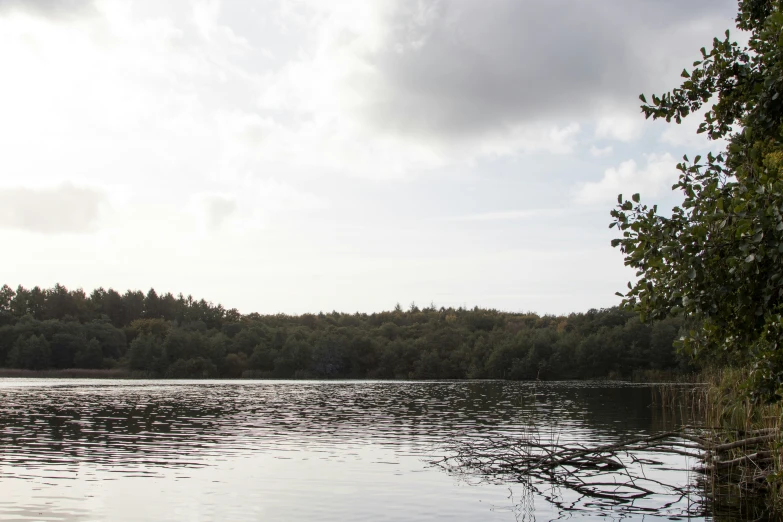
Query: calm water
[[270, 450]]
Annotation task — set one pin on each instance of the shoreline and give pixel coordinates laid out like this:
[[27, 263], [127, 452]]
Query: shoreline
[[67, 373], [124, 373]]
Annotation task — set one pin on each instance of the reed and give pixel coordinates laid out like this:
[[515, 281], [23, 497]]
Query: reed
[[68, 373], [743, 462], [748, 433]]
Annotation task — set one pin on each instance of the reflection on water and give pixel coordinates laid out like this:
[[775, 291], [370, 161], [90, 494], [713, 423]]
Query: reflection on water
[[189, 450]]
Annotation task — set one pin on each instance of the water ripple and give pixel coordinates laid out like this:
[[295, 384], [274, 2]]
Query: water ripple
[[88, 450]]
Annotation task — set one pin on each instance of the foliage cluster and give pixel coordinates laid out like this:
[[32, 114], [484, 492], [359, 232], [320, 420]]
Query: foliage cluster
[[717, 260], [167, 336]]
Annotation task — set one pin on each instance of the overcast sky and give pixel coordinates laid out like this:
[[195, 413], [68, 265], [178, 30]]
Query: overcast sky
[[309, 155]]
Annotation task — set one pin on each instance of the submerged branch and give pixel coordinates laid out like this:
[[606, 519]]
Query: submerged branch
[[573, 465]]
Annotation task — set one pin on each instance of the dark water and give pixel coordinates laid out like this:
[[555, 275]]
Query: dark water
[[336, 451]]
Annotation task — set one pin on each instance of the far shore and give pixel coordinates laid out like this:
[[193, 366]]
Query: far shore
[[68, 373], [645, 377]]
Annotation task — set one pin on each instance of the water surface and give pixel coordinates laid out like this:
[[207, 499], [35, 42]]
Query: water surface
[[88, 450]]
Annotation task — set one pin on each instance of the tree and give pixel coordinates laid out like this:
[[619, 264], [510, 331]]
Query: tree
[[133, 306], [65, 345], [145, 353], [152, 305], [90, 356], [36, 303], [6, 299], [31, 353], [718, 259], [209, 341], [59, 303], [196, 368]]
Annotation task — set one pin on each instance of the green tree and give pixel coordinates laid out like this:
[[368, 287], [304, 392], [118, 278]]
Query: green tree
[[145, 353], [262, 359], [234, 365], [718, 258], [90, 356], [194, 338], [196, 368], [64, 346], [133, 306], [6, 299], [112, 340], [30, 353]]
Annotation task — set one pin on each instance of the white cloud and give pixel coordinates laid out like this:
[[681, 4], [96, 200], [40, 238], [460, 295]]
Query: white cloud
[[274, 195], [620, 127], [532, 139], [600, 152], [110, 100], [653, 178], [219, 208], [252, 203], [510, 215], [55, 210], [263, 136], [685, 135]]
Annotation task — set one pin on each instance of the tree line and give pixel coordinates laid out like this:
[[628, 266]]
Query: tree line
[[153, 335]]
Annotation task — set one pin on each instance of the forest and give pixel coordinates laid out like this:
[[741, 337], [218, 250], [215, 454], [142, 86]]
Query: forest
[[151, 335]]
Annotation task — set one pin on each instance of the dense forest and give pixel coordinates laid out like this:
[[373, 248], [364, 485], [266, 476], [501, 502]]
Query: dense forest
[[152, 335]]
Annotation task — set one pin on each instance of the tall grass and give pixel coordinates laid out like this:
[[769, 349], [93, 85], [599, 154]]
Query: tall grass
[[70, 373], [743, 465], [735, 417]]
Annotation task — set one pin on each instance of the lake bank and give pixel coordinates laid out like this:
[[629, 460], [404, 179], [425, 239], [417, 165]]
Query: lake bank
[[645, 377], [69, 373]]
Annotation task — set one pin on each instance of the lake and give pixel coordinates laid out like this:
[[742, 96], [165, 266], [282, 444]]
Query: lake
[[84, 450]]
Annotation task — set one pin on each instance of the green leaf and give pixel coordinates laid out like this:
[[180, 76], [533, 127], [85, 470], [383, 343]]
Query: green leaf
[[722, 242]]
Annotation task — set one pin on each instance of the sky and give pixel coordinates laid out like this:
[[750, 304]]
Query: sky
[[293, 156]]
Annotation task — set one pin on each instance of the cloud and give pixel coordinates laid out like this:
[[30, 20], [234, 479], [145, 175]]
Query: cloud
[[378, 90], [219, 209], [386, 88], [58, 210], [50, 8], [235, 124], [652, 179], [600, 152], [510, 215], [685, 135], [120, 100], [251, 202], [277, 196], [456, 69], [624, 128]]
